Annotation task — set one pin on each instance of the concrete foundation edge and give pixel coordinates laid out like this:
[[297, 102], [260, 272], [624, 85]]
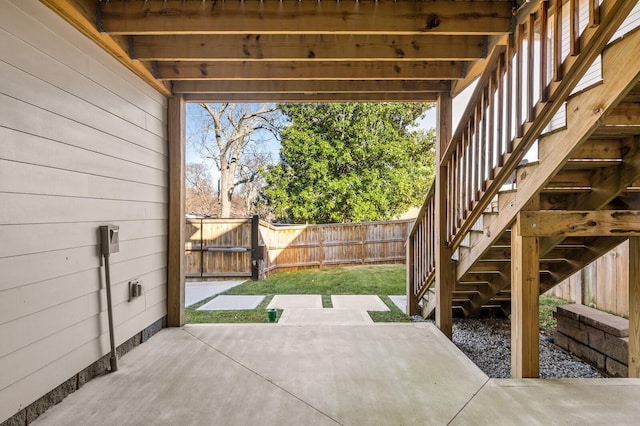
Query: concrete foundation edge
[[98, 368]]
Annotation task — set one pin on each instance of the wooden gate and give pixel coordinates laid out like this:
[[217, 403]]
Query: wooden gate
[[221, 248]]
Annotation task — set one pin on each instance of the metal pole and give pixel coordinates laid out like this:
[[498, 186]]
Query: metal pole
[[113, 359]]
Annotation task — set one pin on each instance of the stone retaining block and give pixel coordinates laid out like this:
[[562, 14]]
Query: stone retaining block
[[597, 337]]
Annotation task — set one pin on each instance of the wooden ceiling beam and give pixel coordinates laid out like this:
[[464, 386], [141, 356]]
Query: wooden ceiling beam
[[316, 70], [337, 47], [81, 16], [312, 97], [305, 17], [306, 86]]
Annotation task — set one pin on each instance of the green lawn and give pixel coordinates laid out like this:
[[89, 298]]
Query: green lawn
[[382, 280]]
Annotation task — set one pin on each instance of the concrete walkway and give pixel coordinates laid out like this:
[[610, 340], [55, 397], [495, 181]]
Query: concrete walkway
[[379, 374], [195, 291]]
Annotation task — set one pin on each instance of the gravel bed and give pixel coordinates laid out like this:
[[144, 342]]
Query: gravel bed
[[487, 342]]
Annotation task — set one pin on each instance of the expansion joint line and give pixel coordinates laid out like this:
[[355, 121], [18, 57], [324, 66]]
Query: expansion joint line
[[470, 399], [266, 379]]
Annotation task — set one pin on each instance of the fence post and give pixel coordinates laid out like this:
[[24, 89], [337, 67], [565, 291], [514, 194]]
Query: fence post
[[320, 229], [255, 267]]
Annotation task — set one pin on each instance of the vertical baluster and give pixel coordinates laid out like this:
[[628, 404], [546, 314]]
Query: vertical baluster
[[544, 54], [477, 166], [557, 41], [519, 82], [451, 189], [509, 98], [531, 67], [482, 145], [472, 160], [492, 143], [469, 179], [457, 181], [462, 176], [500, 143], [594, 13], [574, 27], [432, 234]]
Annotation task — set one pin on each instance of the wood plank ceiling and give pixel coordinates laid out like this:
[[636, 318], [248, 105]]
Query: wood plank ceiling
[[296, 50]]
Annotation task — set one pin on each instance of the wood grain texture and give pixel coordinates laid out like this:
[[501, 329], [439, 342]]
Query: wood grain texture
[[444, 277], [580, 223], [176, 261], [634, 307], [525, 276], [306, 17]]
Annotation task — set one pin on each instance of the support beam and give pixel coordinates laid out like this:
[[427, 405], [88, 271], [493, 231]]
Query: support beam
[[310, 47], [312, 97], [304, 70], [305, 17], [634, 307], [445, 282], [175, 251], [598, 223], [312, 86], [525, 277]]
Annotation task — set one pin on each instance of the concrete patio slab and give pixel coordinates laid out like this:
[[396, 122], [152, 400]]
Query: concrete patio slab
[[369, 302], [232, 303], [324, 316], [195, 291], [553, 402], [296, 301], [400, 302], [382, 374]]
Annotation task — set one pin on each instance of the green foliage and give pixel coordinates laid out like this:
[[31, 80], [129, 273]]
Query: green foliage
[[547, 307], [350, 162]]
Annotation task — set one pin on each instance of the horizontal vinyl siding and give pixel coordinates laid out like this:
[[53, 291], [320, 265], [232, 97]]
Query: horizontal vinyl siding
[[83, 144]]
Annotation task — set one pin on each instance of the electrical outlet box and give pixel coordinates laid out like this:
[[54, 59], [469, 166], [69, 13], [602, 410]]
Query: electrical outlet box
[[109, 239], [135, 289]]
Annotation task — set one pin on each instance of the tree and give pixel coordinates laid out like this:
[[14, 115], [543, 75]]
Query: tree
[[200, 197], [230, 136], [350, 162]]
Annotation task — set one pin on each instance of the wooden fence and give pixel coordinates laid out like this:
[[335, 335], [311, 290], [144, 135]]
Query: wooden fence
[[218, 248], [303, 246], [603, 284], [223, 247]]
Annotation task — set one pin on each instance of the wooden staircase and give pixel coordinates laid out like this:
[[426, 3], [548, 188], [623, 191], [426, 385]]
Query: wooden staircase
[[591, 164], [601, 173]]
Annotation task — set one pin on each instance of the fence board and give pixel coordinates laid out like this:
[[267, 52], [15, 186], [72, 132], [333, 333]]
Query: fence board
[[214, 247], [603, 284]]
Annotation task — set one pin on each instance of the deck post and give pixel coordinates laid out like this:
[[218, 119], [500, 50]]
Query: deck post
[[525, 317], [412, 300], [444, 268], [175, 250], [634, 307]]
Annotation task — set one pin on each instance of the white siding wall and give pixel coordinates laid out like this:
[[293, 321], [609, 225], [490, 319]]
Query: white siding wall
[[82, 144]]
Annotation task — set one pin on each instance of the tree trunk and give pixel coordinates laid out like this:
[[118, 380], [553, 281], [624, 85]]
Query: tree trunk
[[225, 200]]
